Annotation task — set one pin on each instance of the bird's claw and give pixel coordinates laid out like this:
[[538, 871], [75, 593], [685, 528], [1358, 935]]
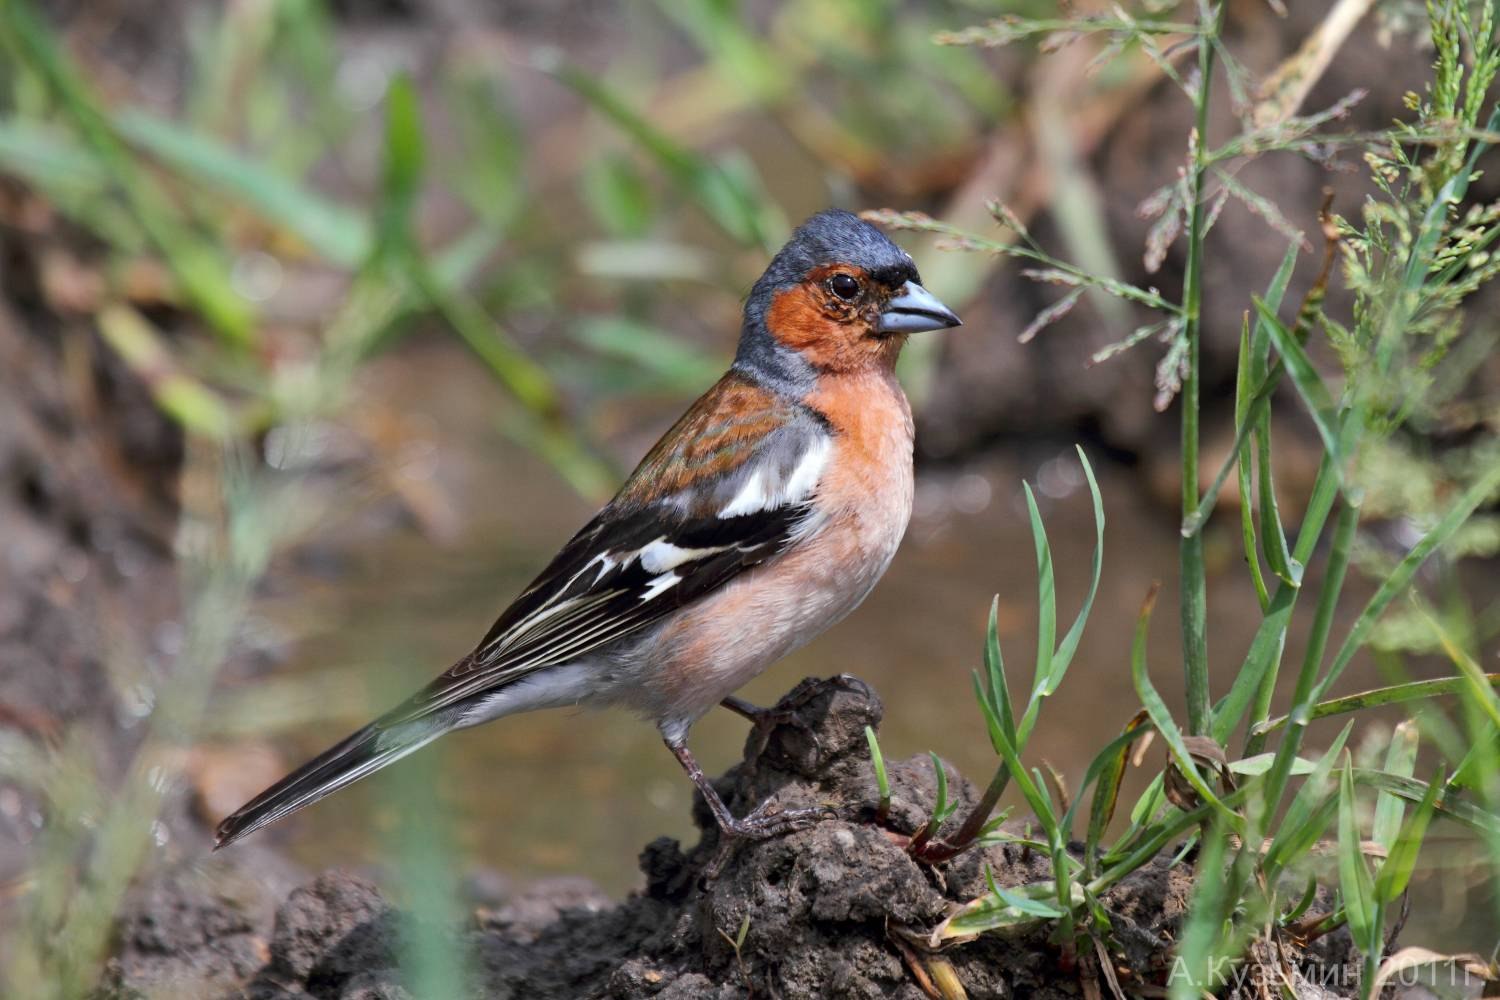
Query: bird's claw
[[763, 822]]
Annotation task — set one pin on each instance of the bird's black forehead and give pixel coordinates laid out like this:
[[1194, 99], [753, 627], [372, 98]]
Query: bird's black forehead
[[838, 237]]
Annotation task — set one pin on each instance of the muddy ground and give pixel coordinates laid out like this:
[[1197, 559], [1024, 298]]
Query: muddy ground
[[91, 471], [88, 477], [824, 908]]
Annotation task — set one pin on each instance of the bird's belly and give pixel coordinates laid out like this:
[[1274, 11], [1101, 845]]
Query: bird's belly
[[720, 644]]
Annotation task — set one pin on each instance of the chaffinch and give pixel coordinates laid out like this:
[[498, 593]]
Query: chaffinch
[[765, 515]]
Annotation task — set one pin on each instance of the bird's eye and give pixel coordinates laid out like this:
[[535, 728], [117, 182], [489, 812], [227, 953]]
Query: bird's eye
[[844, 286]]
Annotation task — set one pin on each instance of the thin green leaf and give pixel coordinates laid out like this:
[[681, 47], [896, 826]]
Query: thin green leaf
[[1046, 590], [333, 230], [1108, 770], [1333, 427], [1393, 695], [1261, 763], [1355, 884], [994, 664], [1001, 908], [1449, 802], [1265, 650], [1272, 531], [1033, 792], [882, 779], [1252, 390], [401, 168], [1150, 802], [1476, 682], [941, 808], [1244, 469], [48, 159], [1401, 853], [1298, 830], [1400, 759], [1070, 641], [1161, 717], [1397, 580], [1203, 930]]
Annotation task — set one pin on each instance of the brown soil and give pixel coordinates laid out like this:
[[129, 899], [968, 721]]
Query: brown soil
[[824, 907], [88, 473]]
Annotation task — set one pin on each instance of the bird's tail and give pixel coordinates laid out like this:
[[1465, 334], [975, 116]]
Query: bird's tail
[[363, 753]]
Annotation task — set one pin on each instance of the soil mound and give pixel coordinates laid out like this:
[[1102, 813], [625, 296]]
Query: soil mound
[[823, 909]]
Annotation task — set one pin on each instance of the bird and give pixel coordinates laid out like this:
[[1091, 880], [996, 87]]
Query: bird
[[762, 517]]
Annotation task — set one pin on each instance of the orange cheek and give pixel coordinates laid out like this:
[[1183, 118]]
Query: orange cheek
[[799, 322]]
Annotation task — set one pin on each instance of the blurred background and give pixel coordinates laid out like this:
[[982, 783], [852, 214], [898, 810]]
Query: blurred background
[[442, 271]]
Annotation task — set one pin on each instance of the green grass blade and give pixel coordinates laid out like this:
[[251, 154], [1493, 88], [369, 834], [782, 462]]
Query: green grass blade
[[196, 265], [1400, 759], [1195, 971], [1300, 827], [1252, 390], [1398, 580], [1069, 646], [994, 664], [1401, 853], [1265, 650], [941, 807], [1355, 883], [1449, 801], [1376, 697], [400, 170], [1108, 769], [992, 721], [882, 779], [1325, 491], [721, 191], [1046, 624], [1334, 428], [335, 231], [1476, 686], [49, 160], [1161, 717], [1244, 468], [1304, 695], [1272, 532], [1000, 909], [1034, 793], [1275, 293]]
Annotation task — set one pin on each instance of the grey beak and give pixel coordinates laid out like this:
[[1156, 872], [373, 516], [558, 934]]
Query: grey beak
[[915, 310]]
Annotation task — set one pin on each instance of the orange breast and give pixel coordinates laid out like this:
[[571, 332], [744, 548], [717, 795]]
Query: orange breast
[[864, 496]]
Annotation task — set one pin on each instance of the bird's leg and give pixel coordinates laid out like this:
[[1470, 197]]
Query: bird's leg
[[759, 824]]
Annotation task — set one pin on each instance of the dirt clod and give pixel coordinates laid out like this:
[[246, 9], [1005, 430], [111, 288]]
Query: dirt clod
[[818, 907]]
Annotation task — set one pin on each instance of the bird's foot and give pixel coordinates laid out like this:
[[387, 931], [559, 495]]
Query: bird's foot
[[764, 822], [761, 823]]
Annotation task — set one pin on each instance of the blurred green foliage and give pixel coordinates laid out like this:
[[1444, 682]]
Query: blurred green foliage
[[285, 157], [274, 162], [1402, 433]]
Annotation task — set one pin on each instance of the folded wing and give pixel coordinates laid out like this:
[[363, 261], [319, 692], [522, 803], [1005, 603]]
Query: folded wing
[[727, 489]]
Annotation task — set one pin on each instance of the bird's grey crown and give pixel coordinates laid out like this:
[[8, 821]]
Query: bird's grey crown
[[829, 237]]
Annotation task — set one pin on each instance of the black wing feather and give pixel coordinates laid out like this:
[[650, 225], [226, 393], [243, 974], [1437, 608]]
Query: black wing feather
[[610, 604]]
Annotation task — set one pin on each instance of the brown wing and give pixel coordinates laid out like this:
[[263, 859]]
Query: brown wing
[[666, 539]]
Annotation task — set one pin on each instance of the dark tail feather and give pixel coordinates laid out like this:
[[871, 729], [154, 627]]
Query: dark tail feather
[[363, 753]]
